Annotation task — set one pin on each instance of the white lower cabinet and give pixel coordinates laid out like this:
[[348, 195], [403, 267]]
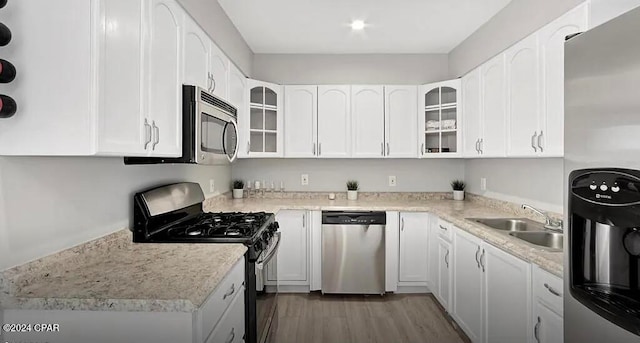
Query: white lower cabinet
[[548, 327], [467, 284], [487, 291], [293, 253], [443, 287], [414, 237], [506, 296], [221, 318], [547, 309]]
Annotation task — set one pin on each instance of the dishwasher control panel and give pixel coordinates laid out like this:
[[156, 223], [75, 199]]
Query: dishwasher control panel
[[354, 218]]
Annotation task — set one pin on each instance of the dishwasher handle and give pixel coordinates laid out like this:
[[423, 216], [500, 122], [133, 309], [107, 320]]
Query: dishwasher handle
[[354, 218]]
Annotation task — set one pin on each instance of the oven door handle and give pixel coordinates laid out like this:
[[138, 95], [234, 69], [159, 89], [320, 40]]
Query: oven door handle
[[224, 134], [273, 251]]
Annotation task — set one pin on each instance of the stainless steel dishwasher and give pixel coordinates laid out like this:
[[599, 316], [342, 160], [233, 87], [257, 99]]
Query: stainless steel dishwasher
[[353, 252]]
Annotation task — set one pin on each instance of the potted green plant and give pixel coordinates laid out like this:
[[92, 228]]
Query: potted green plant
[[238, 189], [352, 189], [458, 189]]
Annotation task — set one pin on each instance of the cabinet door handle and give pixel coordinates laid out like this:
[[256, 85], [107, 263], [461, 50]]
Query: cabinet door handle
[[552, 290], [533, 141], [304, 220], [381, 149], [156, 131], [213, 84], [443, 227], [314, 149], [248, 147], [482, 260], [230, 291], [478, 145], [388, 149], [232, 336], [401, 224], [319, 149], [446, 259], [536, 330], [477, 258], [540, 141], [422, 148], [481, 145], [148, 133]]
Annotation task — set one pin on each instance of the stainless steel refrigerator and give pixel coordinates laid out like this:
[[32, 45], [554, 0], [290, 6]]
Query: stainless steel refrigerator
[[602, 183]]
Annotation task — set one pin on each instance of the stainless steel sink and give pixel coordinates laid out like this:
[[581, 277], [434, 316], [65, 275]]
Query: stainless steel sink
[[551, 240], [510, 224]]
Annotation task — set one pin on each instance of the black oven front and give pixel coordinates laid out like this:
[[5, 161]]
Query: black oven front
[[262, 293]]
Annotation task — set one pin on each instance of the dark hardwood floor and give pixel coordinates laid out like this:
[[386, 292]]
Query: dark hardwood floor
[[393, 318]]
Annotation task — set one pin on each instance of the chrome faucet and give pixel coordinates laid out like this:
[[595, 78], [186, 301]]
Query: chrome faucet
[[549, 223]]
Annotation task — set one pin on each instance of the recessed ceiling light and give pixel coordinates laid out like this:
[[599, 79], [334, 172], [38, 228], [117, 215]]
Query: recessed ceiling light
[[357, 25]]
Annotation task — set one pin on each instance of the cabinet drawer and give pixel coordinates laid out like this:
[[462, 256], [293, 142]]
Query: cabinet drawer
[[445, 229], [230, 287], [548, 288], [231, 327]]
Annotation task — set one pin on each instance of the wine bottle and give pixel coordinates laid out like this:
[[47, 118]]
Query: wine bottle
[[3, 3], [5, 35], [7, 71], [8, 106]]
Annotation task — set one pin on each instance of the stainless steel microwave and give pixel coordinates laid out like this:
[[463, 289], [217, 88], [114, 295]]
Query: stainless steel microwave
[[209, 131]]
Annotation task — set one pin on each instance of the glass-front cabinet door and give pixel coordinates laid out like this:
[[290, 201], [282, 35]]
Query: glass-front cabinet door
[[439, 121], [262, 124]]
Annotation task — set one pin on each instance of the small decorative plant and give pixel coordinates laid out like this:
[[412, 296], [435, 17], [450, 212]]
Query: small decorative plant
[[352, 185], [458, 185], [238, 184], [458, 189], [352, 189], [238, 189]]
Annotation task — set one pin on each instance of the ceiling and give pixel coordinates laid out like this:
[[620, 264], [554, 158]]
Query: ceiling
[[393, 26]]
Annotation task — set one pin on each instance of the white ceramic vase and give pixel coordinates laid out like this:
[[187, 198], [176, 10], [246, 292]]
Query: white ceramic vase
[[238, 193], [458, 195], [352, 195]]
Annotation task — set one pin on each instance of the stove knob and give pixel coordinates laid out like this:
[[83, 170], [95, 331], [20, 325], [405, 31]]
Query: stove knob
[[258, 245]]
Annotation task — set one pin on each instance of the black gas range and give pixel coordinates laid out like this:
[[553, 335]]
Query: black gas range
[[174, 214]]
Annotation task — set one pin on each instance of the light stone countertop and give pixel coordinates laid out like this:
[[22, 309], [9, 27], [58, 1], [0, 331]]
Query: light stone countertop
[[112, 273], [436, 203]]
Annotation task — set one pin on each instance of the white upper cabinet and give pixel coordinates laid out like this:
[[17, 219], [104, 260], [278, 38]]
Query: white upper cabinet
[[439, 119], [263, 136], [219, 66], [162, 82], [300, 121], [196, 55], [467, 290], [85, 99], [334, 121], [552, 38], [367, 121], [400, 108], [414, 240], [523, 97], [492, 83], [472, 107]]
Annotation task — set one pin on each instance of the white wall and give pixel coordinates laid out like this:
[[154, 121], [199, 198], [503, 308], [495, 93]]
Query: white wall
[[332, 174], [537, 182], [516, 21], [350, 68], [50, 204], [210, 15]]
